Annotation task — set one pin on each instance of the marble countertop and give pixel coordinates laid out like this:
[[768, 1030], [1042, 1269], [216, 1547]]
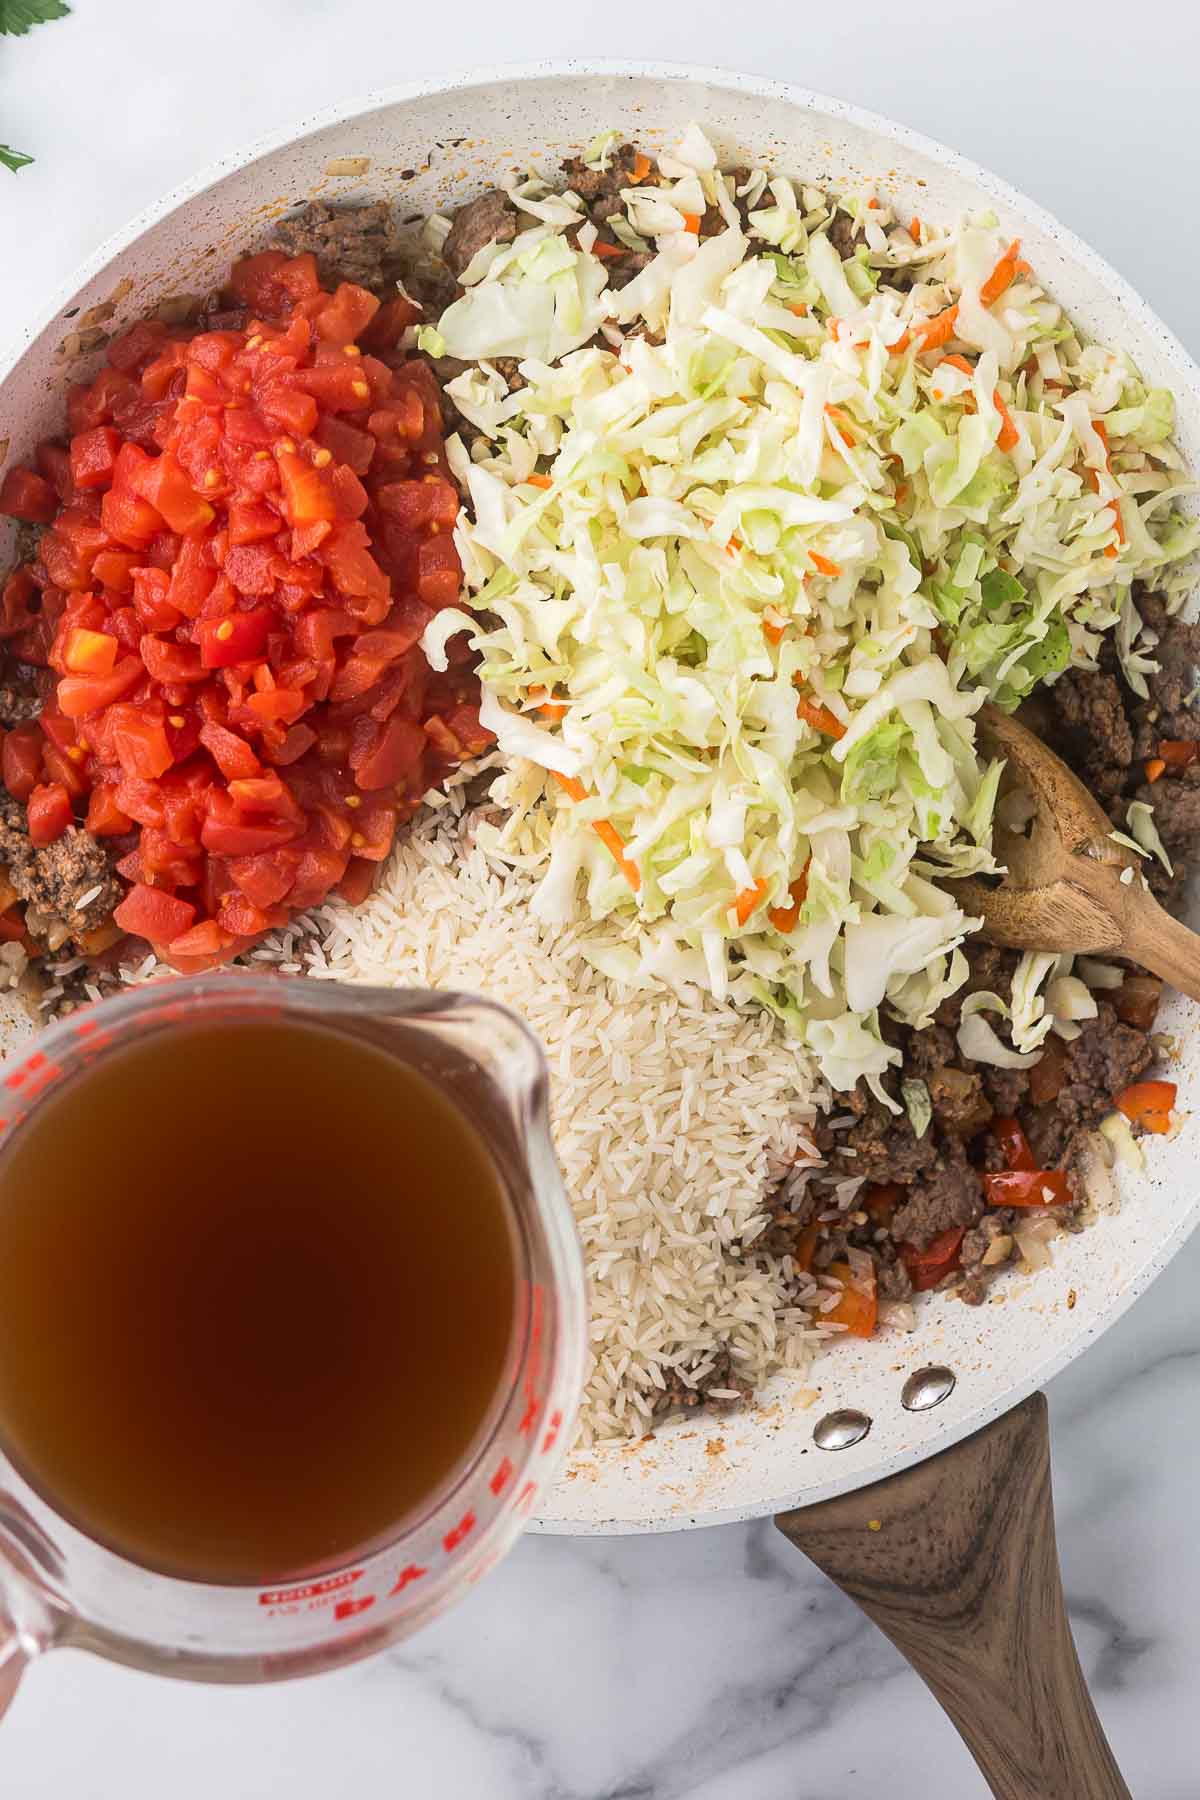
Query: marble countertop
[[716, 1665]]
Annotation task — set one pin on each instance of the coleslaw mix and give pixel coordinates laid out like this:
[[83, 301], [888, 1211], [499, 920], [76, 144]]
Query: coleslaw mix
[[741, 579]]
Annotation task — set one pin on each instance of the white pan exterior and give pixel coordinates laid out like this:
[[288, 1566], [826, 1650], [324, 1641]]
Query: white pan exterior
[[764, 1459]]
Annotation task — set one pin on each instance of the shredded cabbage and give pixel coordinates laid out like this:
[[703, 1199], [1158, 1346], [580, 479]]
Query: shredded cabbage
[[768, 559]]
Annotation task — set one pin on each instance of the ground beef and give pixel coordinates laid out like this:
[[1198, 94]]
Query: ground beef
[[1093, 728], [492, 219], [891, 1277], [960, 1105], [1176, 803], [844, 234], [1105, 1057], [54, 879], [1167, 713], [597, 184], [621, 271], [351, 243], [1005, 1088], [509, 368], [681, 1396], [882, 1145], [947, 1194], [19, 696]]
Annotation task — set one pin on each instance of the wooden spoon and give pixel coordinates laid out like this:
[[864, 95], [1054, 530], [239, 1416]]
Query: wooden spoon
[[1063, 890]]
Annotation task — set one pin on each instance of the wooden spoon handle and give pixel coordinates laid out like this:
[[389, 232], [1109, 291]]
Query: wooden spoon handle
[[1162, 945], [955, 1560]]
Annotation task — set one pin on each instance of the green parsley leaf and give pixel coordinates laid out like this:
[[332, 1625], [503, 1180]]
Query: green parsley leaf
[[13, 159], [19, 16]]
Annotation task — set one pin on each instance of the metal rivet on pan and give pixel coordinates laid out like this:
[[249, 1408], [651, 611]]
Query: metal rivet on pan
[[928, 1387], [838, 1430]]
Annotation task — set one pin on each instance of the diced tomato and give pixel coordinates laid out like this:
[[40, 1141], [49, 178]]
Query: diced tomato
[[24, 494], [137, 346], [141, 746], [203, 940], [79, 694], [89, 652], [395, 753], [104, 816], [163, 483], [319, 872], [307, 491], [21, 760], [358, 880], [94, 456], [348, 313], [374, 832], [114, 569], [338, 386], [439, 572], [12, 925], [346, 443], [856, 1310], [1149, 1104], [251, 521], [384, 331], [237, 638], [49, 812], [55, 464], [1179, 753], [1027, 1187], [127, 518], [356, 574], [929, 1266], [147, 912], [66, 768], [1014, 1145], [232, 754]]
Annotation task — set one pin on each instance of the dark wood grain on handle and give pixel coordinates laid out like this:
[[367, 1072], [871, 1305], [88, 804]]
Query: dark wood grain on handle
[[956, 1561]]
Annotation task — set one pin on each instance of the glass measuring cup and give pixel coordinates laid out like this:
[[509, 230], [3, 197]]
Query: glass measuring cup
[[60, 1587]]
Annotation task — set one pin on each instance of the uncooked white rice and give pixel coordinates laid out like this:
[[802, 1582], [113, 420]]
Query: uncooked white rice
[[672, 1117]]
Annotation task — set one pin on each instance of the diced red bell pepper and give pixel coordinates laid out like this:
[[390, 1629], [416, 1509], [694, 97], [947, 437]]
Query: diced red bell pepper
[[856, 1310], [1048, 1074], [24, 494], [1179, 753], [149, 913], [1137, 1000], [49, 812], [1149, 1104], [1014, 1145], [1027, 1187], [942, 1254], [94, 457]]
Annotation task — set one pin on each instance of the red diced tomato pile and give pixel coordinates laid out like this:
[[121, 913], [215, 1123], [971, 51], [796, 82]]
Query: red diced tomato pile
[[247, 534]]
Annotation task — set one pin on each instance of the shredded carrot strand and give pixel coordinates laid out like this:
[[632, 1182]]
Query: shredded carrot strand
[[1002, 276], [733, 545], [605, 830], [784, 918], [1154, 768], [612, 840], [641, 168], [901, 344], [691, 222], [916, 231], [939, 330], [773, 633], [569, 785], [873, 203], [823, 565], [800, 308], [957, 362], [1008, 434], [553, 709], [600, 248], [843, 422], [820, 717], [542, 481], [747, 900]]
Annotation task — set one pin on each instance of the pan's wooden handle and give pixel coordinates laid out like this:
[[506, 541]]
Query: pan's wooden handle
[[955, 1560]]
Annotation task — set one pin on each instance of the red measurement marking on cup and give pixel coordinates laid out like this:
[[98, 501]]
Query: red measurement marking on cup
[[406, 1577], [346, 1609], [309, 1589], [502, 1477], [459, 1533], [530, 1417], [552, 1431]]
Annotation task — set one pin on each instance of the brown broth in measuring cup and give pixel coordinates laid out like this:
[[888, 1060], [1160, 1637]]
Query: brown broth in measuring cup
[[257, 1293]]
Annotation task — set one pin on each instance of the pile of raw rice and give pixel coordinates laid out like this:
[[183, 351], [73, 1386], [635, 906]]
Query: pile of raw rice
[[672, 1118]]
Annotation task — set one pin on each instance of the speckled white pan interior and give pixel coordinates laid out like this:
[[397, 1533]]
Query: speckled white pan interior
[[428, 145]]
